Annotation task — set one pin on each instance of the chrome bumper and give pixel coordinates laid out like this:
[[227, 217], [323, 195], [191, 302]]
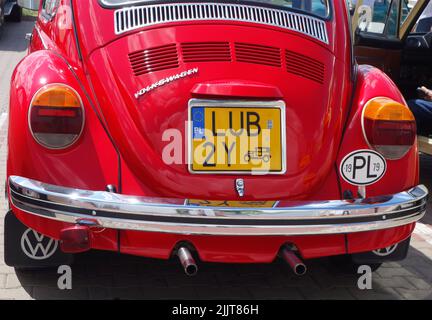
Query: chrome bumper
[[117, 211]]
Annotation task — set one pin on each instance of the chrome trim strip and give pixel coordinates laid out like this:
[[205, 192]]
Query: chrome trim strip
[[131, 18], [41, 37], [118, 211]]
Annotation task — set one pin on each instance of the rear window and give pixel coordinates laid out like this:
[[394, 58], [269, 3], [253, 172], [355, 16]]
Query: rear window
[[318, 8]]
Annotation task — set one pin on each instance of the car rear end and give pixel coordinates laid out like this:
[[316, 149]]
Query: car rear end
[[234, 132]]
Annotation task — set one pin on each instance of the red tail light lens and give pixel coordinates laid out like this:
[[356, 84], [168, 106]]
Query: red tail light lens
[[56, 116], [75, 239], [389, 127]]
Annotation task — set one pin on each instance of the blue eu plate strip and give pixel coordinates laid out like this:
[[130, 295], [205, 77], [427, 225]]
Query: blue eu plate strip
[[198, 123]]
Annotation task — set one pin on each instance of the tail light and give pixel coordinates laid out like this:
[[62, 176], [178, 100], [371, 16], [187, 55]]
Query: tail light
[[389, 127], [56, 116], [75, 239]]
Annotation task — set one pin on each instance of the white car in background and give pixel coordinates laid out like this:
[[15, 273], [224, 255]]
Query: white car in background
[[9, 11], [12, 11], [424, 23]]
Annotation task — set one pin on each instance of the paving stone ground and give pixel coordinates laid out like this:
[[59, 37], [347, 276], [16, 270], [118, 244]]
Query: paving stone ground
[[100, 275]]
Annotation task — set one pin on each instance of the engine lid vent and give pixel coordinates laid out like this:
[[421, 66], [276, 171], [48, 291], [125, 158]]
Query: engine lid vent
[[206, 51], [304, 66], [154, 59], [134, 17], [258, 54]]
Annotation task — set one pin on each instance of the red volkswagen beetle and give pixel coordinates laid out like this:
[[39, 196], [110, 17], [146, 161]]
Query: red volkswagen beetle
[[233, 132]]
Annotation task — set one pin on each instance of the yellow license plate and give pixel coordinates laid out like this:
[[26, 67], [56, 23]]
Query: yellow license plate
[[237, 139]]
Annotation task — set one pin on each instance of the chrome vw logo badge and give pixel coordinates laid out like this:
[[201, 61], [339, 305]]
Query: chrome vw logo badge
[[36, 246], [385, 251]]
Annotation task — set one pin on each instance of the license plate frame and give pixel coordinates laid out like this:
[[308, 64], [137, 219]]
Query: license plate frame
[[279, 104]]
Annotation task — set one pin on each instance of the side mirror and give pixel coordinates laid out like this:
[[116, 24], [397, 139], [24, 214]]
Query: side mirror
[[29, 4]]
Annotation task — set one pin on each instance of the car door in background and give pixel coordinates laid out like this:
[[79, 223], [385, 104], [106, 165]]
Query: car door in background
[[381, 28]]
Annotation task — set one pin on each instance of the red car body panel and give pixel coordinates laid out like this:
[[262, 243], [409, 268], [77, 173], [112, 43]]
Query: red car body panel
[[137, 127], [122, 141], [372, 83]]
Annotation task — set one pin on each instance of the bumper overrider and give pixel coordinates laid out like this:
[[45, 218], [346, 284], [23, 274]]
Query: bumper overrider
[[117, 211]]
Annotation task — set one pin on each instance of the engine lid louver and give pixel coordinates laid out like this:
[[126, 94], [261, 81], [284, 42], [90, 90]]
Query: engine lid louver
[[304, 66], [258, 54], [206, 51], [154, 59], [167, 57]]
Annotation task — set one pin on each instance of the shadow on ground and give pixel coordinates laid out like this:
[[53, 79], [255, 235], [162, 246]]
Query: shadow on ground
[[102, 275]]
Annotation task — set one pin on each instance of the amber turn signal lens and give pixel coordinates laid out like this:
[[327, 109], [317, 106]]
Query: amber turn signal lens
[[57, 96], [56, 116], [389, 127]]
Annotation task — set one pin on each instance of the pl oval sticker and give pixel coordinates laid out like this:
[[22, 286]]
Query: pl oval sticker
[[363, 167]]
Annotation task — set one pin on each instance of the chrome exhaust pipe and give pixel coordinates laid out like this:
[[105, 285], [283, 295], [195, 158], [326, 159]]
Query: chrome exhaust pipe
[[294, 262], [187, 261]]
